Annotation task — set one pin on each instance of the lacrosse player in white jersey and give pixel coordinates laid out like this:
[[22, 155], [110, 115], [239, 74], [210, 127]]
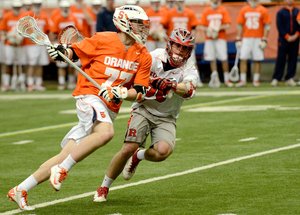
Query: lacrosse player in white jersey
[[172, 71]]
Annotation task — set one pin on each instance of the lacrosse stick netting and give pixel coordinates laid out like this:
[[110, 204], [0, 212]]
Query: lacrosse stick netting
[[70, 35], [27, 27]]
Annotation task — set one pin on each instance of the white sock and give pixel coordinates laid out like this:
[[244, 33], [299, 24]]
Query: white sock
[[30, 81], [28, 184], [61, 80], [38, 81], [68, 163], [225, 74], [256, 77], [107, 182], [141, 154], [22, 78], [5, 79], [243, 77], [71, 79]]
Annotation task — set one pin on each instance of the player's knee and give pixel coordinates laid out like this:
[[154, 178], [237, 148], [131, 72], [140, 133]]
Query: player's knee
[[128, 149], [104, 138], [164, 151]]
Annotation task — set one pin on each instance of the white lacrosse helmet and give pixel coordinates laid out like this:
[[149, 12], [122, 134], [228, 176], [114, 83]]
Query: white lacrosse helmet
[[253, 3], [17, 3], [133, 21], [96, 2], [64, 3], [37, 1], [27, 2]]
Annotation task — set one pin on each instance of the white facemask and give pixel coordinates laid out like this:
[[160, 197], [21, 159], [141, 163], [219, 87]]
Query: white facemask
[[253, 4]]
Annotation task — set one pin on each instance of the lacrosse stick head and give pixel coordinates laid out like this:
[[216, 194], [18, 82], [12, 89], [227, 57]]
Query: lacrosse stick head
[[70, 35], [234, 74], [27, 27]]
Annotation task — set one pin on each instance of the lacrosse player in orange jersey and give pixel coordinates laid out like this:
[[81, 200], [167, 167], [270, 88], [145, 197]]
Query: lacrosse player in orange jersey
[[14, 51], [94, 10], [214, 21], [171, 70], [156, 38], [37, 55], [121, 65], [63, 19], [252, 32], [79, 10]]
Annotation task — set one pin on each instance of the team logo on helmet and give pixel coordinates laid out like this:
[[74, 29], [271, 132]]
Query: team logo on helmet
[[133, 21]]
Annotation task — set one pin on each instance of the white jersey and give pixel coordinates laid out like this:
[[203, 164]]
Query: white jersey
[[154, 102]]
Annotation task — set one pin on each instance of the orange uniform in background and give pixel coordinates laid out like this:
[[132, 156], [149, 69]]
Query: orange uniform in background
[[118, 66], [155, 18], [94, 21], [216, 17], [60, 22], [186, 20], [79, 14], [253, 20]]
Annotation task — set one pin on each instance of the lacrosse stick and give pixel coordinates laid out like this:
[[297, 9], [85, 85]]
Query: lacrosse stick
[[27, 27], [234, 72], [70, 35]]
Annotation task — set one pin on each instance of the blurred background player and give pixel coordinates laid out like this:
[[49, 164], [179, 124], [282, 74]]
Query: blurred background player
[[79, 10], [60, 21], [38, 56], [156, 39], [169, 4], [252, 32], [288, 43], [94, 10], [181, 17], [172, 69], [15, 57], [105, 18], [214, 21], [26, 6]]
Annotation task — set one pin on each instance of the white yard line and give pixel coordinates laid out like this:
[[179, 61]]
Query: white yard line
[[45, 204]]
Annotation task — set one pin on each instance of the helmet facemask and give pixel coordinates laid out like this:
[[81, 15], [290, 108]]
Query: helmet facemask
[[180, 45]]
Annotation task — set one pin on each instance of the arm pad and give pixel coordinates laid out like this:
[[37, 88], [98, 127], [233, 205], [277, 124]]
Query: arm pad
[[75, 57], [190, 89], [141, 92]]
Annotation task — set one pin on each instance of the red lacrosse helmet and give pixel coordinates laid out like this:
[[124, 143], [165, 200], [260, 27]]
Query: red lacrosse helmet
[[185, 44]]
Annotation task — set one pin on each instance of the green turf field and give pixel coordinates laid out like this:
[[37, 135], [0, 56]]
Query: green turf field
[[237, 152]]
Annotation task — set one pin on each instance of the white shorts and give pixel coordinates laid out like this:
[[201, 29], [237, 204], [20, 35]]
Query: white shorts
[[37, 55], [250, 49], [2, 52], [215, 49], [90, 108], [60, 64], [152, 45], [15, 55]]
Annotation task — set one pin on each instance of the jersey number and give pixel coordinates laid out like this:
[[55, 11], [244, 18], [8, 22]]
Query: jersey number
[[114, 75], [252, 23]]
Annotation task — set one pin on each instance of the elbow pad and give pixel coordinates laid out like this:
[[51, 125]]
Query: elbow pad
[[141, 93], [190, 89]]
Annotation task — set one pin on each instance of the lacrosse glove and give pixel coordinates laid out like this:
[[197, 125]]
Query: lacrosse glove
[[53, 51]]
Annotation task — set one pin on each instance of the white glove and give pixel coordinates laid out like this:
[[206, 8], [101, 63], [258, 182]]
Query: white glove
[[53, 51], [106, 94], [215, 32], [263, 44], [208, 32], [238, 44], [119, 93], [115, 94]]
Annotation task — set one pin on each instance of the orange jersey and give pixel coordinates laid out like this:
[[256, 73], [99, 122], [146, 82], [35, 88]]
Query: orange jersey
[[217, 17], [155, 18], [53, 16], [79, 14], [94, 21], [186, 20], [9, 23], [60, 22], [107, 61], [298, 17], [253, 20]]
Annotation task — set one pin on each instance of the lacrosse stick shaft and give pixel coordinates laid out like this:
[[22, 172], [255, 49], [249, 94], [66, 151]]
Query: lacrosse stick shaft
[[79, 70], [237, 57]]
